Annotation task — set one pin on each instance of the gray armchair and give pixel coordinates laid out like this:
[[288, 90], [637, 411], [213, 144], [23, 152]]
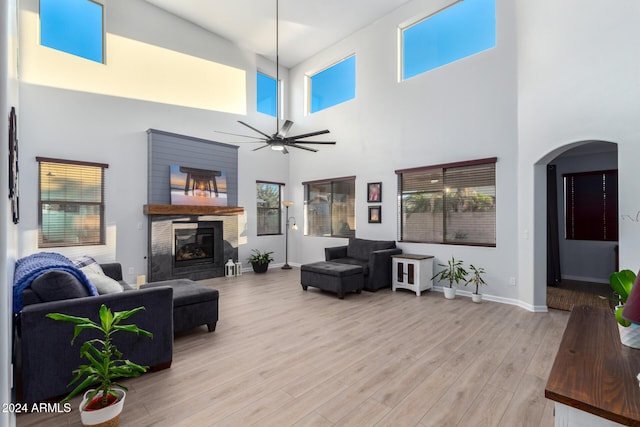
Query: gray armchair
[[374, 256]]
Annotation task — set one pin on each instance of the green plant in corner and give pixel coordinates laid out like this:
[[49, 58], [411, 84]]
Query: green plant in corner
[[621, 282], [476, 277], [105, 360], [260, 257], [453, 272]]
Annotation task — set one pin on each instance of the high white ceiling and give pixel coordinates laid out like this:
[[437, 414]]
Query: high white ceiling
[[306, 26]]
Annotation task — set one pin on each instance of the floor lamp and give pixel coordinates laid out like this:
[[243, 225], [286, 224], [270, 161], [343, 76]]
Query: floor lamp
[[286, 205]]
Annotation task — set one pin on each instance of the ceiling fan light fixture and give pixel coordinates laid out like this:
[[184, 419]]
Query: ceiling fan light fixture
[[280, 140]]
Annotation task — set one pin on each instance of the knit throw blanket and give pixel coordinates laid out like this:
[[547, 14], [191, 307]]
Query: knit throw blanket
[[33, 266]]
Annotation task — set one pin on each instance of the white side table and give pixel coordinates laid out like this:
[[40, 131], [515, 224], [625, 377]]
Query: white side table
[[413, 272]]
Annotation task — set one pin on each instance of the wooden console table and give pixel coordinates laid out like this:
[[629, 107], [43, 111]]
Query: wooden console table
[[593, 379]]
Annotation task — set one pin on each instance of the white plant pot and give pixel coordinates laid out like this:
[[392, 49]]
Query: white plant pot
[[476, 298], [629, 335], [449, 293], [105, 417]]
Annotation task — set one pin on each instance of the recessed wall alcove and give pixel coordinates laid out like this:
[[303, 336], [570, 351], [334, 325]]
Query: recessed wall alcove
[[187, 241]]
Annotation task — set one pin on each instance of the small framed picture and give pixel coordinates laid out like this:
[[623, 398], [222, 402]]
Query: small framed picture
[[374, 192], [375, 214]]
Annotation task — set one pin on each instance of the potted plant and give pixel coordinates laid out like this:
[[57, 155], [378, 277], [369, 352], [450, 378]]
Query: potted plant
[[104, 403], [621, 282], [477, 280], [453, 272], [260, 260]]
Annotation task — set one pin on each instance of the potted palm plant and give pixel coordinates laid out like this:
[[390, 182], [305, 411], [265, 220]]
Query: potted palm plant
[[102, 405], [477, 280], [453, 272], [260, 260]]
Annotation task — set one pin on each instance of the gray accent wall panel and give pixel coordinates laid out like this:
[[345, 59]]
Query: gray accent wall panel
[[166, 149]]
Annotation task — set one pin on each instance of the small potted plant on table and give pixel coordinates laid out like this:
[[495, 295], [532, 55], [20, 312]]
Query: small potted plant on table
[[477, 280], [102, 406], [260, 260], [622, 282], [453, 272]]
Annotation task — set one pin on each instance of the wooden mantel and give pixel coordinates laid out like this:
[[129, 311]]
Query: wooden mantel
[[192, 210]]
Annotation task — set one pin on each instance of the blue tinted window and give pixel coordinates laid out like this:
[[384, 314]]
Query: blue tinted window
[[267, 95], [459, 31], [72, 26], [334, 85]]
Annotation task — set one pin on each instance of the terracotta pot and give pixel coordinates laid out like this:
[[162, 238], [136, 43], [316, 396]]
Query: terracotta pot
[[105, 417]]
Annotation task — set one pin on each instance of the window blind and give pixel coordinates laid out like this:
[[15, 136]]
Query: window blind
[[591, 205], [453, 203], [71, 203]]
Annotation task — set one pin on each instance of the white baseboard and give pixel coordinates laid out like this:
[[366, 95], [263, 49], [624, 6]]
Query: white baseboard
[[502, 300], [585, 278]]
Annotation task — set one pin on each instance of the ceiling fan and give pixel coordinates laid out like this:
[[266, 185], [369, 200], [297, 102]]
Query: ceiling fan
[[280, 140]]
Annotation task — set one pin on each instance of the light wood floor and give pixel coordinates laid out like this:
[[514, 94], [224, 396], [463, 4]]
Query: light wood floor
[[285, 357]]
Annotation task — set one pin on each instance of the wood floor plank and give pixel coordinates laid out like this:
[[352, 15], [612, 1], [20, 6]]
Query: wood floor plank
[[281, 356]]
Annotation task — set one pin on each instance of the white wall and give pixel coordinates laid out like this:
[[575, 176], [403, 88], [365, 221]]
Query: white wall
[[578, 80], [77, 109], [8, 242], [565, 73], [462, 111]]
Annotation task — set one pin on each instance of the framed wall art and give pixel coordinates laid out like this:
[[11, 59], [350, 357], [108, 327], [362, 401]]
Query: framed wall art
[[13, 165], [375, 214], [374, 192]]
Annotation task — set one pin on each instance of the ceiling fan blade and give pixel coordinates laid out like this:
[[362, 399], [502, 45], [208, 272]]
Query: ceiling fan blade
[[284, 130], [243, 136], [307, 135], [313, 142], [260, 148], [303, 148], [254, 129], [284, 150]]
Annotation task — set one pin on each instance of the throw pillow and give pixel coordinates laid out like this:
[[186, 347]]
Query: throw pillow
[[58, 285], [103, 283]]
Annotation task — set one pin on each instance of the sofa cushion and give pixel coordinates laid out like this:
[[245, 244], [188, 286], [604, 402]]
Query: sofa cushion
[[57, 285], [353, 261], [361, 248]]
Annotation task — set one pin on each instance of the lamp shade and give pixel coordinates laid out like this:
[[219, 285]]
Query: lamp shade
[[631, 311]]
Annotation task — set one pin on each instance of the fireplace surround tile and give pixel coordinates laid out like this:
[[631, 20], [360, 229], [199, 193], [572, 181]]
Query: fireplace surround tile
[[161, 264]]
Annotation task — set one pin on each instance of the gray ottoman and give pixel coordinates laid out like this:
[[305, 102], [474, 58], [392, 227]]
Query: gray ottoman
[[332, 276], [193, 304]]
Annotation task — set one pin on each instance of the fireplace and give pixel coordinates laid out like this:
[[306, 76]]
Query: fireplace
[[194, 243], [191, 246]]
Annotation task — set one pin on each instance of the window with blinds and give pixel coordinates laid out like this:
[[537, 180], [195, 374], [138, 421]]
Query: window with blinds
[[453, 203], [268, 199], [591, 205], [71, 203], [330, 208]]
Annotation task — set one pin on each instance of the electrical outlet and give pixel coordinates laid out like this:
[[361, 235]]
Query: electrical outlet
[[512, 281], [132, 271]]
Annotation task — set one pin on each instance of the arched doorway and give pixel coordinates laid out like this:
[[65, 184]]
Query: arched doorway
[[579, 258]]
